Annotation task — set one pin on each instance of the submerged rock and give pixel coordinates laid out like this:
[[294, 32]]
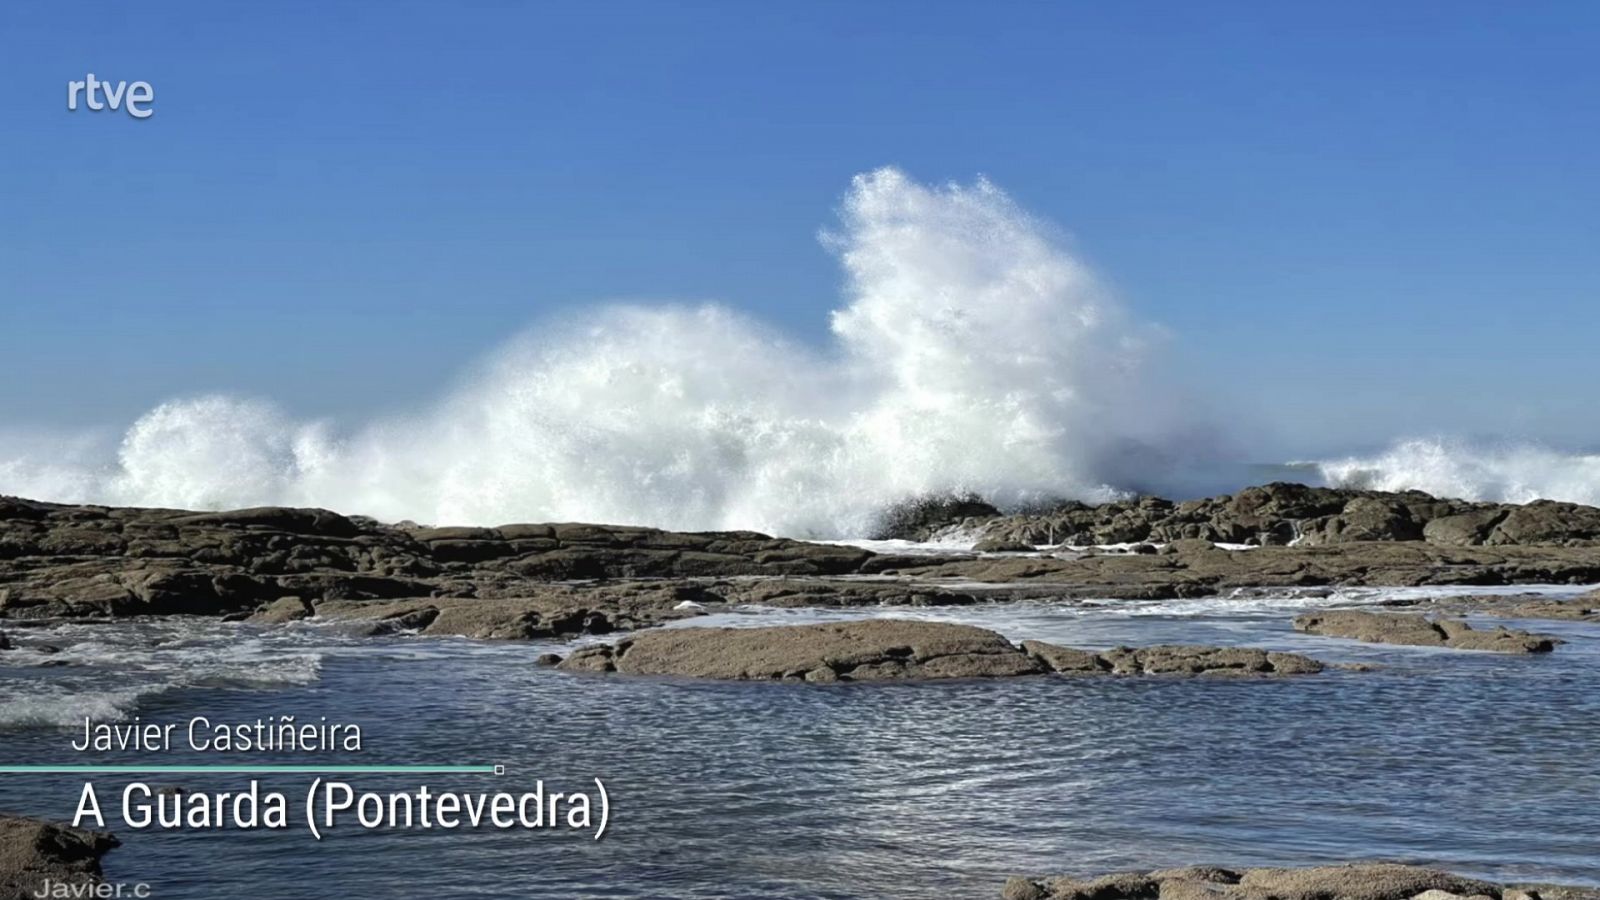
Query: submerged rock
[[1416, 630], [33, 851], [901, 649], [1355, 881]]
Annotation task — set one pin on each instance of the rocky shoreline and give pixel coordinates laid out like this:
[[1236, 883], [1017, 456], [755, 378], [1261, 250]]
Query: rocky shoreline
[[1268, 515], [1420, 631], [562, 580], [277, 566], [903, 649]]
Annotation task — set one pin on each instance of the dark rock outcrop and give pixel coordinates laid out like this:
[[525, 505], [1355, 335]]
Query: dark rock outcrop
[[1281, 513], [61, 561], [1415, 630], [33, 851], [901, 649], [1356, 881], [273, 565], [916, 520]]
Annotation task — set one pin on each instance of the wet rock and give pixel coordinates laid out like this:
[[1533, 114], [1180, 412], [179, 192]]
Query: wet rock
[[1514, 606], [1171, 659], [866, 650], [33, 851], [5, 642], [1356, 881], [1017, 888], [917, 520], [1067, 660], [1276, 514], [284, 609], [551, 611], [1175, 659], [1416, 630], [898, 649], [1002, 545]]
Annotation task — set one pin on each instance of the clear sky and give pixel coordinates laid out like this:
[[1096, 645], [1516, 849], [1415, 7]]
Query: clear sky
[[1357, 219]]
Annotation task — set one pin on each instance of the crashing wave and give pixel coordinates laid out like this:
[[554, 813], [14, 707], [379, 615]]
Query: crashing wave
[[1508, 473], [973, 354]]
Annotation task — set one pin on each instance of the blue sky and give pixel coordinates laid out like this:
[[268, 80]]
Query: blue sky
[[1357, 220]]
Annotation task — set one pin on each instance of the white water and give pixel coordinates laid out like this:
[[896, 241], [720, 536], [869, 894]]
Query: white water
[[1509, 473], [972, 353]]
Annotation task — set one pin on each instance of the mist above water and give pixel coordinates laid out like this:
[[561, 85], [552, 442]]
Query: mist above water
[[971, 353]]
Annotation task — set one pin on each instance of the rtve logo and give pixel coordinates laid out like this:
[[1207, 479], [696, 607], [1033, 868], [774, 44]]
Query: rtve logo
[[134, 98]]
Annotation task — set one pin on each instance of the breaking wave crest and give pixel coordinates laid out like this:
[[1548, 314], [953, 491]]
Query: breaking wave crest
[[973, 354], [1511, 473]]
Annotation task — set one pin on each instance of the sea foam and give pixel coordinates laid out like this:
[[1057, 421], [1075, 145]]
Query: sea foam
[[973, 353], [1508, 472]]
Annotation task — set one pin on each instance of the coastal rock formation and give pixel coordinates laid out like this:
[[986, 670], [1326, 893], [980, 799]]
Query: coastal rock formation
[[1196, 568], [32, 851], [917, 520], [1182, 659], [1400, 628], [901, 649], [866, 650], [1585, 608], [90, 561], [277, 565], [1357, 881], [550, 611], [1281, 513]]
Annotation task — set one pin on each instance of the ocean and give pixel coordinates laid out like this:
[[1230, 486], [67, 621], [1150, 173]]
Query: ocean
[[1476, 762]]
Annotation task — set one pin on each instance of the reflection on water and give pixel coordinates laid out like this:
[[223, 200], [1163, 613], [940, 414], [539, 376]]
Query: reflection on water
[[1479, 762]]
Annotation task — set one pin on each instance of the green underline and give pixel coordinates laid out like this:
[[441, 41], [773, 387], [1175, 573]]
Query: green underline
[[247, 770]]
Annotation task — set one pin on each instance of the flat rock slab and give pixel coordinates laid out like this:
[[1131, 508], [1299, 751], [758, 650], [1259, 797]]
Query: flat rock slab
[[33, 851], [1520, 606], [1419, 631], [867, 650], [1359, 881], [901, 649]]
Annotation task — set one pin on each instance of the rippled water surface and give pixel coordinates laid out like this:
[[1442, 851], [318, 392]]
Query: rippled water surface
[[1479, 762]]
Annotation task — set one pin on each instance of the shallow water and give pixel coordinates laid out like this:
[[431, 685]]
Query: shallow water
[[1479, 762]]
